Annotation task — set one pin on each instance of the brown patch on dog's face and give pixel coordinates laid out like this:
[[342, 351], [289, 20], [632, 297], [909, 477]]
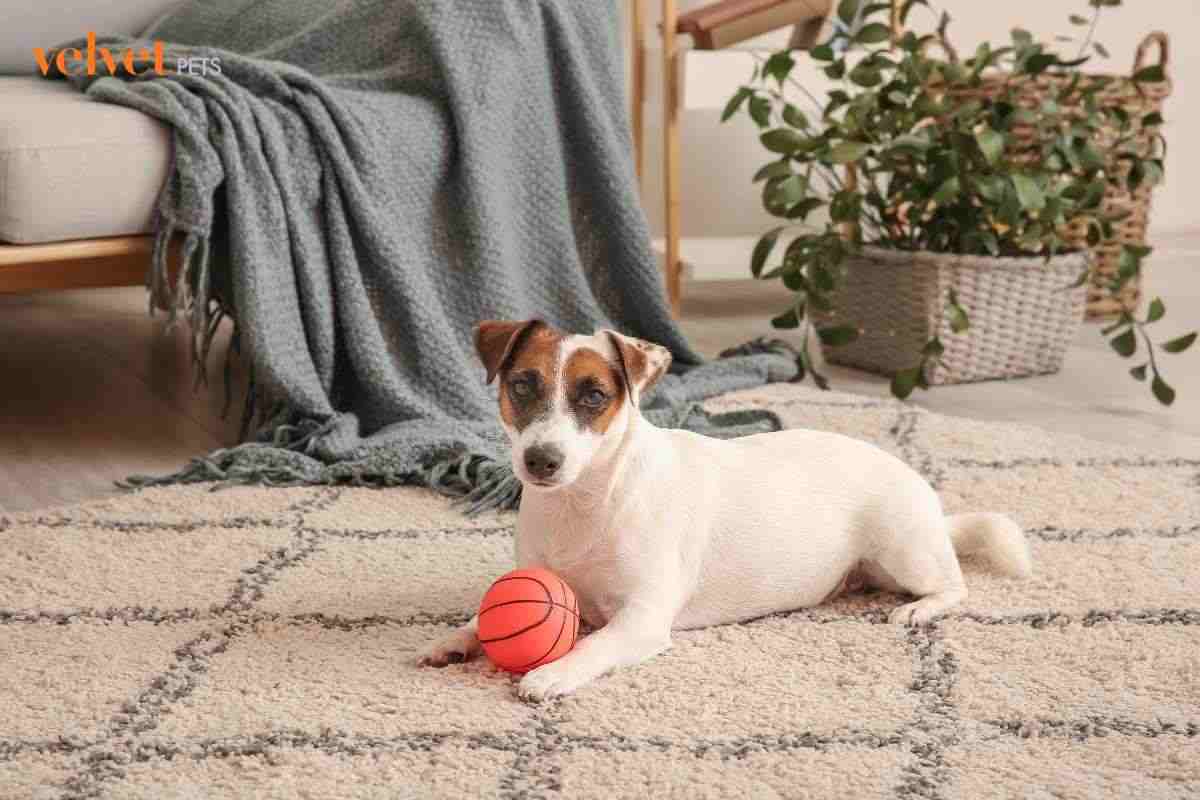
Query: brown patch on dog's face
[[528, 379], [595, 389]]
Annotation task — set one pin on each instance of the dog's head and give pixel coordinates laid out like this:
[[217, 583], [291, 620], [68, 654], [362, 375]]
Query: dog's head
[[563, 396]]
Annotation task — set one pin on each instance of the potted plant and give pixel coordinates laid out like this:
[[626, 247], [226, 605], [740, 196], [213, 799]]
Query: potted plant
[[960, 195]]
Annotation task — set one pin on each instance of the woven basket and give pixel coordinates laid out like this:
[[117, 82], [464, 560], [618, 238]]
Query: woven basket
[[1117, 91], [1023, 313]]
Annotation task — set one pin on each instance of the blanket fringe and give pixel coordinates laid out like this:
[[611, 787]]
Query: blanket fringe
[[478, 483]]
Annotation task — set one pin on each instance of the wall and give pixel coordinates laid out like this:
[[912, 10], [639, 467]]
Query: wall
[[719, 200]]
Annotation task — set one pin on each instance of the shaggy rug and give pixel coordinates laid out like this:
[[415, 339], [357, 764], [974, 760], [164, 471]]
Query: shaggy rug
[[259, 643]]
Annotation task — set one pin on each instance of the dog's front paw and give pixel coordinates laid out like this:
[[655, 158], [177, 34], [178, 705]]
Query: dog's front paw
[[456, 648], [547, 682], [913, 614]]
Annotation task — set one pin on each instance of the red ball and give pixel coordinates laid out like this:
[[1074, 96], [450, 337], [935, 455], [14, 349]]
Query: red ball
[[528, 618]]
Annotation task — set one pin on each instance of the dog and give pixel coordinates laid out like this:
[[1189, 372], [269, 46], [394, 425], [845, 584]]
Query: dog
[[659, 530]]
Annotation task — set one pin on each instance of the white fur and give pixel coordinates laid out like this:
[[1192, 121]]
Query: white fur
[[665, 529]]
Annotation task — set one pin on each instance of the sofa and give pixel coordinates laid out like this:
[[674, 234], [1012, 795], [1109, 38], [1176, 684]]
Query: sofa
[[78, 179]]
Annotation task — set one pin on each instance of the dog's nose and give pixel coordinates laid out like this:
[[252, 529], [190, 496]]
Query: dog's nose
[[543, 461]]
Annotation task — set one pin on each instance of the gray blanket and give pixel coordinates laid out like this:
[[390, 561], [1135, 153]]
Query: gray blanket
[[364, 181]]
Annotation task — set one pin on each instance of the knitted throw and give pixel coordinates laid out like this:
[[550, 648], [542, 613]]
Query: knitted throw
[[361, 183]]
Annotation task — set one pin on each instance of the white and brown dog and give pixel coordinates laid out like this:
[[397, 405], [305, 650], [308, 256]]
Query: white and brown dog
[[662, 529]]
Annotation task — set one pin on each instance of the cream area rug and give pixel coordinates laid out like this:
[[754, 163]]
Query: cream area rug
[[252, 642]]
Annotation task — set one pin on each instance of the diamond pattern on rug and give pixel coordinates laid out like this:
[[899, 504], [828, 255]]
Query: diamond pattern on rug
[[840, 677], [186, 507], [1118, 572], [1074, 498], [311, 677], [758, 771], [429, 575], [1148, 767], [65, 569], [81, 680], [1140, 673], [260, 642]]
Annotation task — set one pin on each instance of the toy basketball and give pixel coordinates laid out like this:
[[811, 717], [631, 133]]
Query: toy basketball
[[528, 617]]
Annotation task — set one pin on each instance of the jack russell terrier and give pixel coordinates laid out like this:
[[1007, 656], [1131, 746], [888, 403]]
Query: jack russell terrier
[[666, 529]]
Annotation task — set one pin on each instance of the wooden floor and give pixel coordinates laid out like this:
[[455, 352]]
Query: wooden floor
[[93, 390]]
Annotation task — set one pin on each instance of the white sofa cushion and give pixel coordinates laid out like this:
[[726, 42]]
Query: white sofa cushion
[[36, 23], [73, 168]]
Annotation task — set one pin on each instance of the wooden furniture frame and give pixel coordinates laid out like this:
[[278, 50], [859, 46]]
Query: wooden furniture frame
[[81, 264], [700, 25]]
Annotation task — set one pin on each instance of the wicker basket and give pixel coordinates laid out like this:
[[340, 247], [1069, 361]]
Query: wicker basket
[[1117, 91], [1023, 313]]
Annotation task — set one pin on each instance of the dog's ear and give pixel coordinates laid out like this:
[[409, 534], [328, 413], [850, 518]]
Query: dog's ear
[[642, 362], [497, 340]]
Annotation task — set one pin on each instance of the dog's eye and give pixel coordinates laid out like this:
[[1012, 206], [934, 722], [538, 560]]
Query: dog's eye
[[521, 390], [593, 398]]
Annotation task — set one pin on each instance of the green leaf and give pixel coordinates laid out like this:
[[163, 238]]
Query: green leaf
[[836, 70], [1022, 37], [933, 348], [958, 315], [1157, 309], [1125, 344], [735, 102], [865, 75], [822, 52], [904, 381], [838, 336], [1078, 20], [776, 169], [874, 33], [846, 206], [1164, 393], [782, 140], [1139, 373], [1150, 74], [787, 320], [1180, 344], [1101, 49], [846, 11], [846, 152], [1029, 194], [760, 111], [790, 190], [762, 250], [794, 117], [778, 66], [1153, 118], [793, 278], [947, 191], [822, 279], [991, 144], [958, 319]]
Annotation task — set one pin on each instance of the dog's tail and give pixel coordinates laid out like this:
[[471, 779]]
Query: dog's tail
[[994, 538]]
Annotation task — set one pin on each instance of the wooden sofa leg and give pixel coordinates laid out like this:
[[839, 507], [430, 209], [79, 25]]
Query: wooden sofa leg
[[671, 101]]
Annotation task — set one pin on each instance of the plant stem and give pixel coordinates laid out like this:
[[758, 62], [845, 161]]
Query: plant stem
[[1091, 30]]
